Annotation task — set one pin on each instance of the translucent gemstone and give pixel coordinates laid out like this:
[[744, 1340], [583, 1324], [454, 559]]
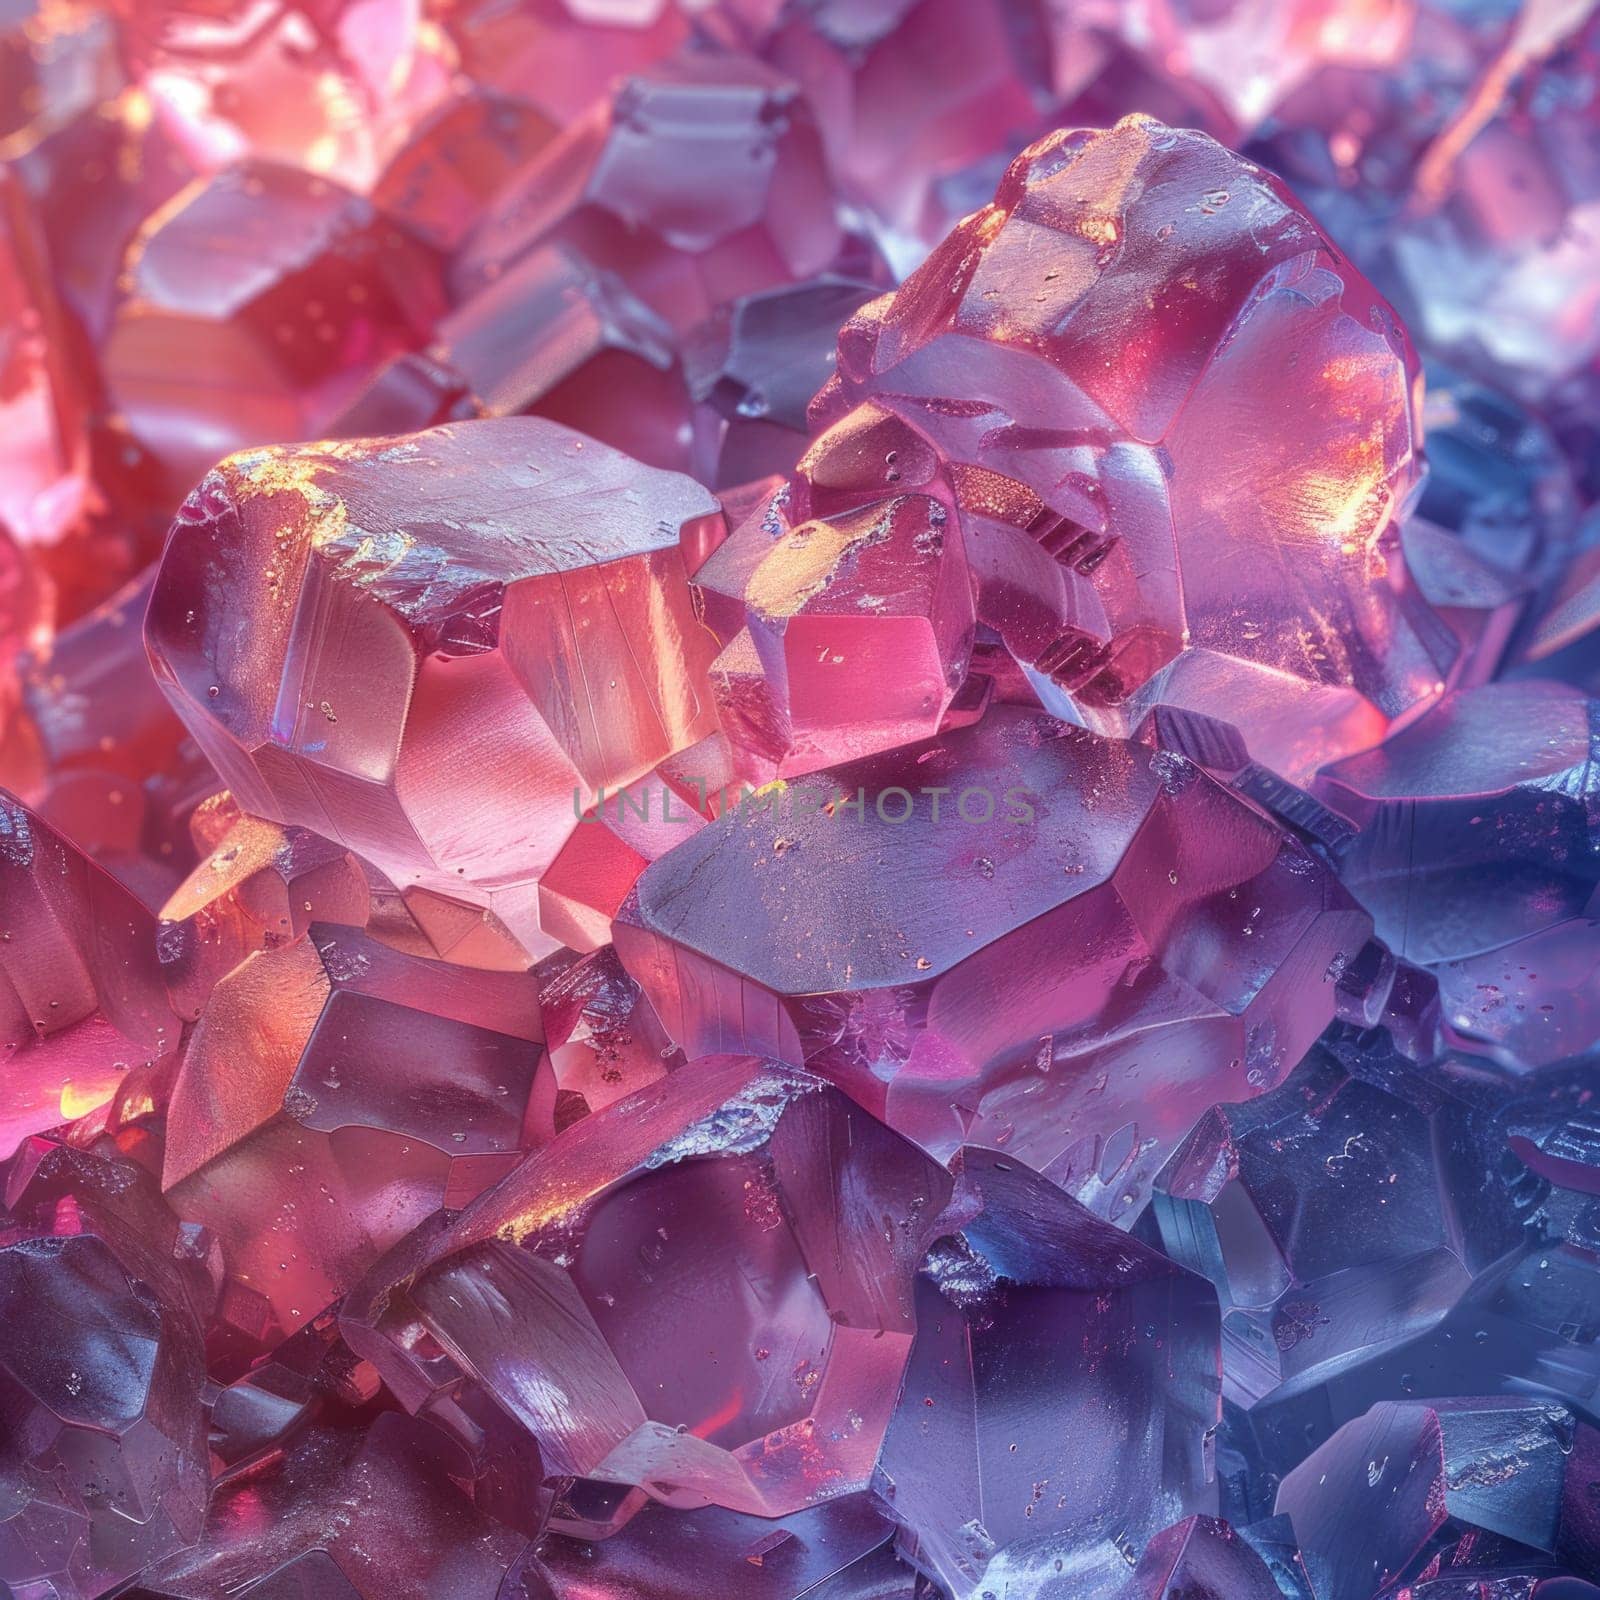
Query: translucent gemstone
[[1474, 859], [101, 1376], [351, 1513], [1037, 1324], [1374, 1504], [1126, 330], [1321, 1215], [377, 1088], [120, 772], [80, 987], [456, 160], [258, 306], [788, 1223], [603, 1039], [438, 652], [843, 635], [332, 88], [753, 369], [617, 838], [980, 937], [1253, 53], [43, 451], [94, 181], [255, 1418]]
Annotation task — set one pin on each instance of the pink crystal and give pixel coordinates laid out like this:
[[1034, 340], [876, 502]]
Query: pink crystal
[[223, 343], [437, 652], [790, 1222], [386, 1086], [81, 988], [1128, 322], [1108, 896]]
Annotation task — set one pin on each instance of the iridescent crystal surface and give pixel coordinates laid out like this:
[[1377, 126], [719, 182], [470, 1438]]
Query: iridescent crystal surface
[[798, 800]]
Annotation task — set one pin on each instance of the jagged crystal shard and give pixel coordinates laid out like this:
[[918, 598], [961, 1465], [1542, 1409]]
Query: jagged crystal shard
[[1475, 856]]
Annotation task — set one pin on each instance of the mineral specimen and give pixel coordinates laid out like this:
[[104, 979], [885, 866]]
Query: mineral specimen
[[787, 812], [440, 651]]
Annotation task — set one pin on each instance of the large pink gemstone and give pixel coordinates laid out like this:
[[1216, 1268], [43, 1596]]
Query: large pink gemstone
[[982, 936], [437, 651], [720, 1266], [1176, 427]]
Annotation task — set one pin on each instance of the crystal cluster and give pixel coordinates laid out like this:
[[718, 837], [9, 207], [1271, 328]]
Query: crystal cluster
[[799, 800]]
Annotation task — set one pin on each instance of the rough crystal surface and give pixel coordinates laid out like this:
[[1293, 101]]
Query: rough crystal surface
[[790, 1223], [1126, 923], [437, 651], [1085, 372]]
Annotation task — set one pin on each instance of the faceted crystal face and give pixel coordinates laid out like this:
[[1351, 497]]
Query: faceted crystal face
[[790, 1223], [1037, 1322], [385, 1086], [1109, 895], [348, 1514], [101, 1373], [80, 985], [1123, 327], [437, 652], [1475, 859], [1389, 1489], [223, 343], [845, 635], [1321, 1215]]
